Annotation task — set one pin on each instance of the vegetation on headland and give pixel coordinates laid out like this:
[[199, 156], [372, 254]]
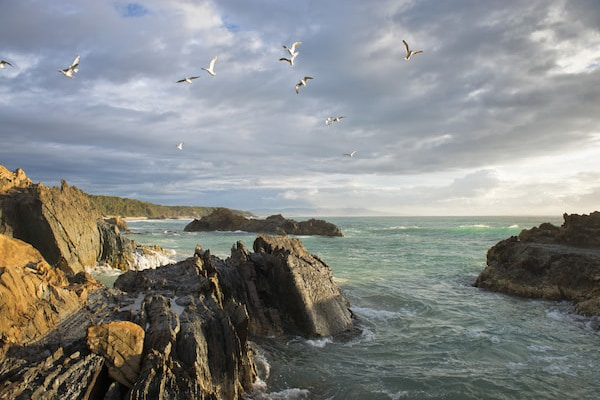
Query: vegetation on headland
[[124, 207]]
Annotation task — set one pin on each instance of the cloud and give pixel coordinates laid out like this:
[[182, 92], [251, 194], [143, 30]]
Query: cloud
[[499, 94]]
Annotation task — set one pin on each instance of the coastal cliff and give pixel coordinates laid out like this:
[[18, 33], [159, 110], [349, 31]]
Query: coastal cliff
[[550, 262], [223, 219], [62, 224]]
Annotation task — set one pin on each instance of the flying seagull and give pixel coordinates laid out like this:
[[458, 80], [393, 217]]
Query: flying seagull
[[350, 154], [210, 69], [292, 50], [410, 53], [4, 63], [188, 80], [179, 145], [291, 59], [303, 82], [68, 72], [331, 120]]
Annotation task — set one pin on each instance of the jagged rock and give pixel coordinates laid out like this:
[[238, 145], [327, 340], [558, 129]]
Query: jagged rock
[[59, 222], [12, 180], [549, 262], [58, 376], [118, 222], [196, 342], [286, 290], [121, 344], [115, 249], [223, 219], [34, 296]]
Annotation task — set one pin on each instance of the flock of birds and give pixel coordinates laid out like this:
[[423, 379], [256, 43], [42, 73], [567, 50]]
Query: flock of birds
[[293, 53]]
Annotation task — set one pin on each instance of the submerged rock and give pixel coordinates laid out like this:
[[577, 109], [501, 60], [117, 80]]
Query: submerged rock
[[549, 262], [223, 219]]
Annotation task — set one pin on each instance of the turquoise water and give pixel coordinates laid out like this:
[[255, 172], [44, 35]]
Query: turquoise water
[[426, 332]]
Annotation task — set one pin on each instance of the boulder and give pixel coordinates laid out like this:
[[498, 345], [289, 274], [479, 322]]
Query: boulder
[[121, 344], [223, 219], [549, 262], [34, 296]]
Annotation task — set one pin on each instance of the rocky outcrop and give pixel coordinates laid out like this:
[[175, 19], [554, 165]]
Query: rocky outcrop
[[197, 317], [286, 289], [63, 225], [60, 222], [13, 180], [223, 219], [549, 262], [34, 296]]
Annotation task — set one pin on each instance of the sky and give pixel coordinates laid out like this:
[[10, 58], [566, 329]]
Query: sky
[[500, 114]]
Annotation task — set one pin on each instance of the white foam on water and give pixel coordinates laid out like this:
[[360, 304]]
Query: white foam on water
[[515, 368], [319, 343], [376, 314], [103, 269], [150, 259]]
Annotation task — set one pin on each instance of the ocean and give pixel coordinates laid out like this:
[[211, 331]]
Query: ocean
[[426, 333]]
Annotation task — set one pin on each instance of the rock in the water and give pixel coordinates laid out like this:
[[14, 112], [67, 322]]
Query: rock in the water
[[34, 297], [549, 262], [223, 219], [286, 289], [121, 344]]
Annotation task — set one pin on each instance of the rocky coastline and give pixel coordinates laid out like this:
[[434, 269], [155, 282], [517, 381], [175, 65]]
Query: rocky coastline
[[550, 262], [179, 331], [223, 219]]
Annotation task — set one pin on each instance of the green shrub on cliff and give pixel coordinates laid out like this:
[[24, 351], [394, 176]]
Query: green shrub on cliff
[[112, 205]]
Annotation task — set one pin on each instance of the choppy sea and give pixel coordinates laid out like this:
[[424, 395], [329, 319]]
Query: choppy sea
[[426, 332]]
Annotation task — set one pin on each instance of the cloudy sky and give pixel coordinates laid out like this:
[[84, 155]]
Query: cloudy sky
[[500, 115]]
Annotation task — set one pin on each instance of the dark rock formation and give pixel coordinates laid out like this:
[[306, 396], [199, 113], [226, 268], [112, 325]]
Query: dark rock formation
[[223, 219], [285, 289], [197, 317], [549, 262]]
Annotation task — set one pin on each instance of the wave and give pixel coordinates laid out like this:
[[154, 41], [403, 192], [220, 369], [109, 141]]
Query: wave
[[476, 226], [371, 313], [150, 258], [319, 343]]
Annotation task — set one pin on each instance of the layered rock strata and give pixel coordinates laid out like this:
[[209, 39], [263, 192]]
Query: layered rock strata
[[62, 224], [34, 296], [197, 317], [550, 262], [223, 219]]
